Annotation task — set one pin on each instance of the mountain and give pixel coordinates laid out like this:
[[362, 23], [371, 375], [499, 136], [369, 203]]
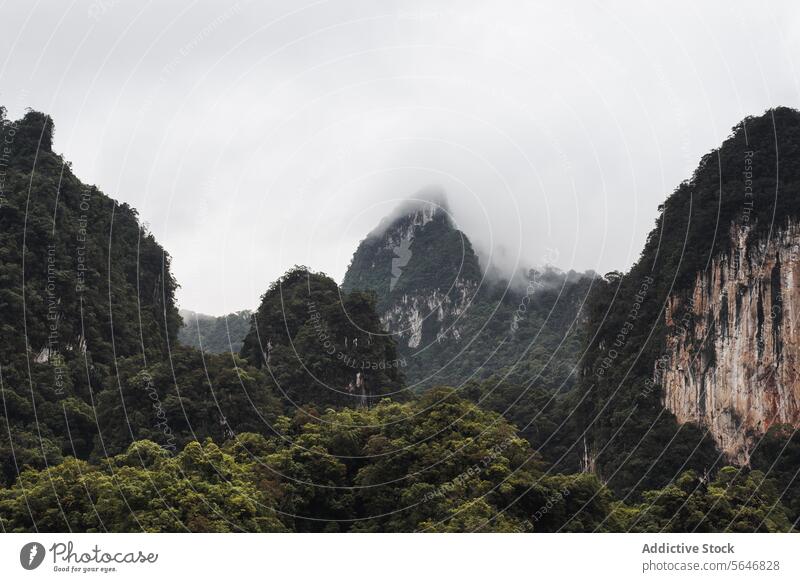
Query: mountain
[[216, 335], [89, 358], [108, 425], [694, 351], [83, 286], [452, 322], [94, 279], [422, 269], [322, 346]]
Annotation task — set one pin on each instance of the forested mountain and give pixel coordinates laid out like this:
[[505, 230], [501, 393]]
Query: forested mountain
[[329, 417], [82, 287], [216, 335], [321, 345], [72, 255], [452, 322], [512, 347], [667, 332]]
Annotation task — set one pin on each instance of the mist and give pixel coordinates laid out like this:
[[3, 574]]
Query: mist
[[254, 137]]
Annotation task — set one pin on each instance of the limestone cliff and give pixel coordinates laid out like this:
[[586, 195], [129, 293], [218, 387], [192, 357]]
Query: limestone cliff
[[733, 345], [406, 319]]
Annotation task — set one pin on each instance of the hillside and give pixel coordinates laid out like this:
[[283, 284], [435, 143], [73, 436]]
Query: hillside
[[321, 345], [82, 285], [651, 326]]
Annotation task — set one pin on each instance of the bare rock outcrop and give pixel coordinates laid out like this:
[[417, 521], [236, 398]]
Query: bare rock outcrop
[[732, 359]]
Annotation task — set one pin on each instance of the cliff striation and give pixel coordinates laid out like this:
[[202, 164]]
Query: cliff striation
[[734, 343]]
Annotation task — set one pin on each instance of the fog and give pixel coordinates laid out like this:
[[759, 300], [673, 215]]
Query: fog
[[254, 137]]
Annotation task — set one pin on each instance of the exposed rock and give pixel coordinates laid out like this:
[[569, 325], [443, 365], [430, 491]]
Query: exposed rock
[[406, 318], [733, 349]]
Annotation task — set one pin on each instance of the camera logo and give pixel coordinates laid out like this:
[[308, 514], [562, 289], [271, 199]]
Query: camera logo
[[31, 555]]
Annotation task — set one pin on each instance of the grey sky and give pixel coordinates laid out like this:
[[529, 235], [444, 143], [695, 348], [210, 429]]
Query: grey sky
[[254, 136]]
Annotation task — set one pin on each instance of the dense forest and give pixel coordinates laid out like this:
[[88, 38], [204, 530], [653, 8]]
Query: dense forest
[[437, 464], [109, 423]]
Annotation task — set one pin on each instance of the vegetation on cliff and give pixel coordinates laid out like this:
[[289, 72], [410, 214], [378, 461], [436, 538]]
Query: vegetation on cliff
[[752, 179]]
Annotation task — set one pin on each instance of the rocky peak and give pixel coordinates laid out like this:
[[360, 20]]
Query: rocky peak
[[421, 267]]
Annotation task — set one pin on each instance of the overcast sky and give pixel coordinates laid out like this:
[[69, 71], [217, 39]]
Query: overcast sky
[[253, 136]]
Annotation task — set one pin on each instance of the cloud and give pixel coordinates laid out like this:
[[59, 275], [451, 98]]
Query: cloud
[[256, 136]]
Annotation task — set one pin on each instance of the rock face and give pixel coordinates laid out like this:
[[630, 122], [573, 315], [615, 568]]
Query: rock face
[[407, 318], [734, 342]]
